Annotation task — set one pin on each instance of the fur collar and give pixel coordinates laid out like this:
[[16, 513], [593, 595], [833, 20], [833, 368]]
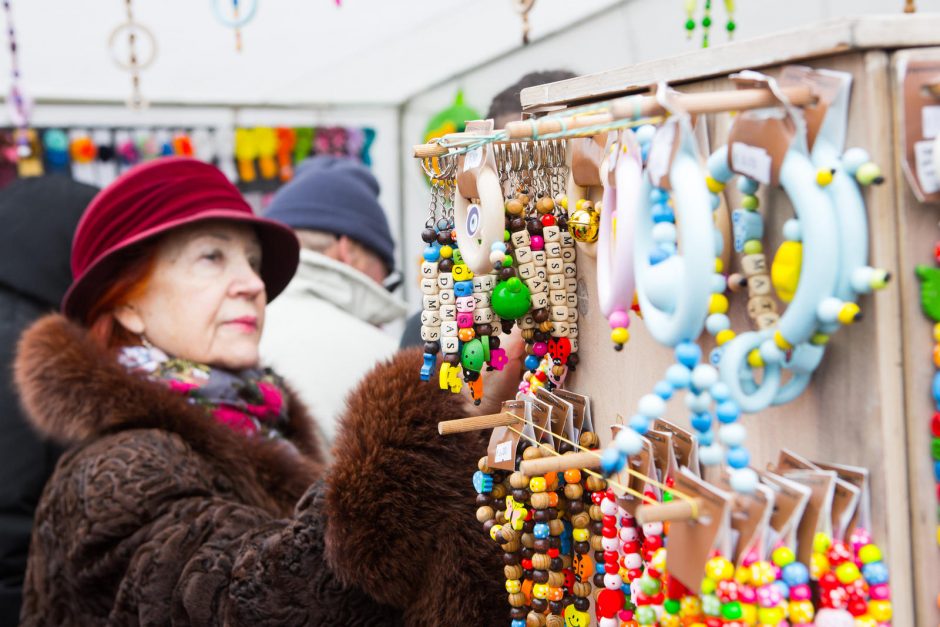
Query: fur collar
[[75, 392]]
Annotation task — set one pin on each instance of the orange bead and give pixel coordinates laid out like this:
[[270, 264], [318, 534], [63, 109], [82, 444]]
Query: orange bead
[[466, 334], [936, 355], [556, 594], [573, 476], [553, 499]]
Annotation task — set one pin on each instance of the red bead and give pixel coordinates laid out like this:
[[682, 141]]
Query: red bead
[[611, 556], [548, 220], [640, 599], [658, 599], [938, 492], [635, 573], [609, 521], [653, 542], [626, 521], [530, 513], [858, 607], [935, 424], [632, 546], [655, 574], [526, 564], [597, 497], [936, 252], [553, 553], [541, 376], [609, 602], [839, 553], [611, 568], [674, 588], [670, 482], [713, 621], [829, 581], [609, 532]]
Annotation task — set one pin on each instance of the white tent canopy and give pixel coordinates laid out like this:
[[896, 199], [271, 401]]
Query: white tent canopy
[[300, 52]]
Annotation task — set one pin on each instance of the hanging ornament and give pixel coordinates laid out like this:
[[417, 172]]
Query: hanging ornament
[[690, 22], [237, 17], [135, 34], [523, 7], [910, 6], [19, 105]]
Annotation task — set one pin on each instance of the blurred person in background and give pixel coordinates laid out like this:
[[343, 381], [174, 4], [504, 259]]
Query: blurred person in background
[[39, 216], [504, 108], [323, 333]]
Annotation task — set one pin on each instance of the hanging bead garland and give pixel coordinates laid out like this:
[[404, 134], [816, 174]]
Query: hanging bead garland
[[133, 64], [690, 23], [18, 105], [236, 18]]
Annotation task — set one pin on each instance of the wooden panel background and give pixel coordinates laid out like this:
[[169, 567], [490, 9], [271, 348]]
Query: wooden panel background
[[854, 410]]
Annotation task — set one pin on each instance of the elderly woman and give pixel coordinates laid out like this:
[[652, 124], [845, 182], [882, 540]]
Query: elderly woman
[[193, 492]]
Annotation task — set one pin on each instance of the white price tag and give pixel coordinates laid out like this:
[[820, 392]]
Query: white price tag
[[926, 169], [930, 121], [504, 451], [751, 161], [657, 163], [473, 159]]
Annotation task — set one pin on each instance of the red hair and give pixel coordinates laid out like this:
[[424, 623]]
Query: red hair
[[133, 280]]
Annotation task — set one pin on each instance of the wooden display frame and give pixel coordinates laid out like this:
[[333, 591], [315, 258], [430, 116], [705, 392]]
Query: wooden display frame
[[869, 404]]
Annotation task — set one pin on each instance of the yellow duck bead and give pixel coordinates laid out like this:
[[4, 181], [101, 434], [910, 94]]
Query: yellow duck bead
[[718, 304], [785, 270], [537, 484], [781, 341], [849, 313], [824, 176], [724, 337], [715, 187], [754, 360], [513, 586]]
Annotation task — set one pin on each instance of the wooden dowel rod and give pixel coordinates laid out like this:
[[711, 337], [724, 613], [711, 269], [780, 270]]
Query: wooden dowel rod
[[559, 463], [526, 128], [422, 151], [675, 510], [476, 423]]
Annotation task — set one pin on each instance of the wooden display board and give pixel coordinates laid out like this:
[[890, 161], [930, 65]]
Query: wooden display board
[[869, 404]]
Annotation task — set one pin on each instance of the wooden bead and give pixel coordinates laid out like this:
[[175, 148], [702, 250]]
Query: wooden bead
[[513, 572], [554, 620], [556, 281], [545, 205], [595, 484], [759, 285], [556, 579], [525, 271], [528, 540], [760, 305], [482, 466], [485, 513], [596, 513], [430, 334], [573, 491], [546, 327], [523, 255], [508, 535], [520, 239], [517, 600], [541, 561], [551, 234], [533, 452], [534, 619], [540, 500], [518, 480], [538, 258], [558, 298], [556, 527], [589, 439], [580, 521], [512, 547], [514, 207], [501, 517], [429, 285], [597, 543], [581, 588], [754, 264], [560, 311], [553, 249], [767, 320], [539, 301], [499, 491]]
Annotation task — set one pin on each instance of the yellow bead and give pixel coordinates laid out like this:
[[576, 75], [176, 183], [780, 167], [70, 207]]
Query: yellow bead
[[936, 332], [849, 313], [762, 573], [824, 177], [580, 535], [818, 565], [869, 553], [659, 560], [709, 585], [715, 187], [494, 532], [819, 339], [620, 335], [669, 620], [513, 586], [540, 591], [690, 607], [865, 620], [781, 341], [847, 572], [770, 615], [783, 555], [719, 569], [537, 484], [742, 575], [754, 360], [821, 542], [718, 304], [802, 612], [724, 337], [749, 613], [579, 203], [785, 270], [447, 252], [880, 610], [719, 265]]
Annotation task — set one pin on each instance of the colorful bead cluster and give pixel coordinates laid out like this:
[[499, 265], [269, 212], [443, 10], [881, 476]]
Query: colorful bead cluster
[[930, 304], [852, 577], [690, 23]]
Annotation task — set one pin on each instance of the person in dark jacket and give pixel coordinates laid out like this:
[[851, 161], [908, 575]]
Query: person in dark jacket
[[39, 216], [194, 490]]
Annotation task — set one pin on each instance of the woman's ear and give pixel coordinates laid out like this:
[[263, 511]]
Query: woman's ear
[[129, 318]]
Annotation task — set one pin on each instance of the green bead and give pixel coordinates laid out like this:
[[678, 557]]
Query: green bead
[[690, 24], [649, 586], [506, 235], [667, 496], [458, 258], [750, 202], [732, 610], [753, 247], [869, 174], [672, 606], [507, 261], [645, 615], [730, 26], [471, 355], [511, 299], [935, 448], [929, 291], [706, 21]]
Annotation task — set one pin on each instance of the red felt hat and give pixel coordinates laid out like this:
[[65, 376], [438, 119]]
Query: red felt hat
[[151, 199]]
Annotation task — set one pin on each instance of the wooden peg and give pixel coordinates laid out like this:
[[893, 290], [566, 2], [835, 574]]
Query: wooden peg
[[560, 463], [675, 510], [476, 423]]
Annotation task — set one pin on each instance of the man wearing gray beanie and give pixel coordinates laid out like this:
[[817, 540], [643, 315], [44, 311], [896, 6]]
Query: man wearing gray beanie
[[322, 333]]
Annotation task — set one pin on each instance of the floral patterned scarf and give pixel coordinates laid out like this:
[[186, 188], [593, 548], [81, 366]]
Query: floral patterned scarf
[[251, 402]]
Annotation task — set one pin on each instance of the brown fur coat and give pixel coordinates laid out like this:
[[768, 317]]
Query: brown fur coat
[[158, 515]]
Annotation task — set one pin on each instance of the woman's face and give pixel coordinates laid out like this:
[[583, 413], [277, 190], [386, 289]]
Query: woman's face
[[205, 299]]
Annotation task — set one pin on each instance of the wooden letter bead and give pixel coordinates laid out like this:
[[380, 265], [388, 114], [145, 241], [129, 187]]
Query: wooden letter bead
[[526, 271], [559, 314], [540, 300], [561, 329], [523, 255], [556, 281], [487, 282], [753, 264], [448, 312], [760, 305], [568, 254], [767, 320], [449, 328], [430, 334], [552, 249], [465, 303], [572, 299], [447, 297], [482, 299], [551, 234], [520, 239], [431, 302], [572, 329], [450, 345], [571, 284], [462, 272], [572, 314], [477, 283], [566, 239], [574, 349], [541, 273], [555, 266], [571, 270], [758, 285], [429, 286], [482, 316], [431, 318], [535, 284], [558, 298], [429, 269], [538, 257], [527, 322], [445, 281]]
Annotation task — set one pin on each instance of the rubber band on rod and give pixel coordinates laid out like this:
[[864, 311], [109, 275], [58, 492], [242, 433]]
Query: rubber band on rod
[[634, 473]]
